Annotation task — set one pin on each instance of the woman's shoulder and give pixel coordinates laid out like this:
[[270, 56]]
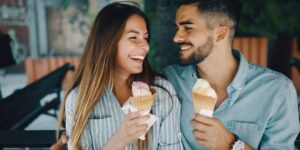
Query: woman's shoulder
[[166, 99], [71, 97], [161, 82], [165, 92]]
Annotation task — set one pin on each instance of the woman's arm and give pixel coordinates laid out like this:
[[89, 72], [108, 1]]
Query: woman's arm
[[132, 128], [128, 133], [86, 138]]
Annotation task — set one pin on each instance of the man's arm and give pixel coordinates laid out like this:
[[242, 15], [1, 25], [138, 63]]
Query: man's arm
[[283, 126]]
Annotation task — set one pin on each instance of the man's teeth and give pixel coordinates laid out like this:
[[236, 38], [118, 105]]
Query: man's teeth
[[138, 57], [185, 47]]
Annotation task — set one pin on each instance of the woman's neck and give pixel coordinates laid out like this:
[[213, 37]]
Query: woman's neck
[[122, 88]]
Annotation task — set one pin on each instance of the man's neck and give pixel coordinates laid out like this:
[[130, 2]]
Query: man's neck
[[219, 69]]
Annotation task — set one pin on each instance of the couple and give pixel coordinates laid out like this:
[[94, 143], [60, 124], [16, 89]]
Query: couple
[[256, 107]]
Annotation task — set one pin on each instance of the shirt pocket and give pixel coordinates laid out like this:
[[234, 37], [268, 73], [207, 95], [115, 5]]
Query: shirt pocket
[[250, 132], [172, 143], [101, 130]]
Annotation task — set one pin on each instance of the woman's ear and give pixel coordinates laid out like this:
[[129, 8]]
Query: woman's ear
[[222, 32]]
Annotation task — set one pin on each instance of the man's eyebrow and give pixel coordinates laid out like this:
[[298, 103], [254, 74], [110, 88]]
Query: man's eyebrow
[[185, 23]]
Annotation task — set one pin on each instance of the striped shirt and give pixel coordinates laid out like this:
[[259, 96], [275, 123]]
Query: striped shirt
[[107, 116]]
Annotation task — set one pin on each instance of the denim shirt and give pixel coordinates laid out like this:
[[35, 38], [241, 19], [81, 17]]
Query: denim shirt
[[261, 108]]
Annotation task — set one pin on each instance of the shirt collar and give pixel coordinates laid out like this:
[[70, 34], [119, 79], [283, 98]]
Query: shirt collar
[[187, 71], [239, 79]]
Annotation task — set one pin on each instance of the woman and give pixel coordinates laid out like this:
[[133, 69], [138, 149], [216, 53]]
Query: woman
[[113, 59]]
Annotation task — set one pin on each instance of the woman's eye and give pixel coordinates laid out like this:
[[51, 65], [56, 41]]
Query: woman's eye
[[133, 37]]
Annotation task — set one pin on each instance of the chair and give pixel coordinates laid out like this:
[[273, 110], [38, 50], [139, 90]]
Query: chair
[[295, 62], [18, 110], [6, 54]]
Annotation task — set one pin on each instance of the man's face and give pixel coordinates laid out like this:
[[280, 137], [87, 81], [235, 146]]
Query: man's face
[[193, 37]]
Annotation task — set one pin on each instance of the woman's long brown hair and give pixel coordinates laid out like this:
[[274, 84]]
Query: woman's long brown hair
[[96, 70]]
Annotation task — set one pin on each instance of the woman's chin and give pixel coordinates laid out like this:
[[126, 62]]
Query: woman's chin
[[136, 71]]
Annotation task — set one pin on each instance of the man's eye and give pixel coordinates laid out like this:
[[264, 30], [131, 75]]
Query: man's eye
[[176, 28], [188, 28]]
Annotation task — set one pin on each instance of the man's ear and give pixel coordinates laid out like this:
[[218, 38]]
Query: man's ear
[[222, 32]]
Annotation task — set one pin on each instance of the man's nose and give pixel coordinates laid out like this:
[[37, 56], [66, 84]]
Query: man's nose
[[178, 37]]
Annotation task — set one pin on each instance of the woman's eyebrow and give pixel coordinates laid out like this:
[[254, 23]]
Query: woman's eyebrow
[[133, 31], [137, 32]]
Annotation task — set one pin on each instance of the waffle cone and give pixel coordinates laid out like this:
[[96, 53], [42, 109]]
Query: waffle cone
[[143, 103], [203, 102]]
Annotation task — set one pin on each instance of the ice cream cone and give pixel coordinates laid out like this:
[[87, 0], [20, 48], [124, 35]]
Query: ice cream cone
[[204, 98], [143, 103], [203, 102]]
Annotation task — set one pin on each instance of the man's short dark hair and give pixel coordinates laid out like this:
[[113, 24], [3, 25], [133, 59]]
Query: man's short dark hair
[[218, 12]]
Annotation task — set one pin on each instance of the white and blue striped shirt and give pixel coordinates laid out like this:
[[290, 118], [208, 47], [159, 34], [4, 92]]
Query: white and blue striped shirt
[[107, 116]]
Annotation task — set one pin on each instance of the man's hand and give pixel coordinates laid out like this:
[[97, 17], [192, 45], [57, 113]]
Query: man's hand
[[211, 133]]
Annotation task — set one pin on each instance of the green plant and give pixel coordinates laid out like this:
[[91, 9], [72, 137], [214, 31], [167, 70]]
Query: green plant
[[270, 17]]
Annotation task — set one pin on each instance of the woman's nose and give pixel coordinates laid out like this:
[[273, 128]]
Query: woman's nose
[[145, 45]]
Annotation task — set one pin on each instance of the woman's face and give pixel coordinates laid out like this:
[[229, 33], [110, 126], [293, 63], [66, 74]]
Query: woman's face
[[132, 47]]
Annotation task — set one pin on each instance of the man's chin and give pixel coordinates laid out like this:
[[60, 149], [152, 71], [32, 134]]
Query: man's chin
[[190, 61], [186, 62]]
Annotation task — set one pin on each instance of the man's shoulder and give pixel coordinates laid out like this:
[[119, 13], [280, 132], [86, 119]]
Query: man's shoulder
[[267, 74]]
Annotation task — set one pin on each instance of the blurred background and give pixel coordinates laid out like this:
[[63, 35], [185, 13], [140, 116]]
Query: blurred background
[[38, 37]]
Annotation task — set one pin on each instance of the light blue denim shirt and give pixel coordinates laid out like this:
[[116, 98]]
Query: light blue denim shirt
[[261, 107]]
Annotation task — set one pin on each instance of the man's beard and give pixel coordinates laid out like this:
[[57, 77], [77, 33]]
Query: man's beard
[[200, 54]]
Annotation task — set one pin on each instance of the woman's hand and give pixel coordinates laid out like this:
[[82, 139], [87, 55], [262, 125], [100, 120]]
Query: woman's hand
[[131, 129]]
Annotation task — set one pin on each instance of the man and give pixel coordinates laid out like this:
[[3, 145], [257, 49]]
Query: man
[[256, 107]]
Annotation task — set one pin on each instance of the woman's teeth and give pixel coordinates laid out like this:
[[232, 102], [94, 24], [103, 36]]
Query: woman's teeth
[[137, 57]]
